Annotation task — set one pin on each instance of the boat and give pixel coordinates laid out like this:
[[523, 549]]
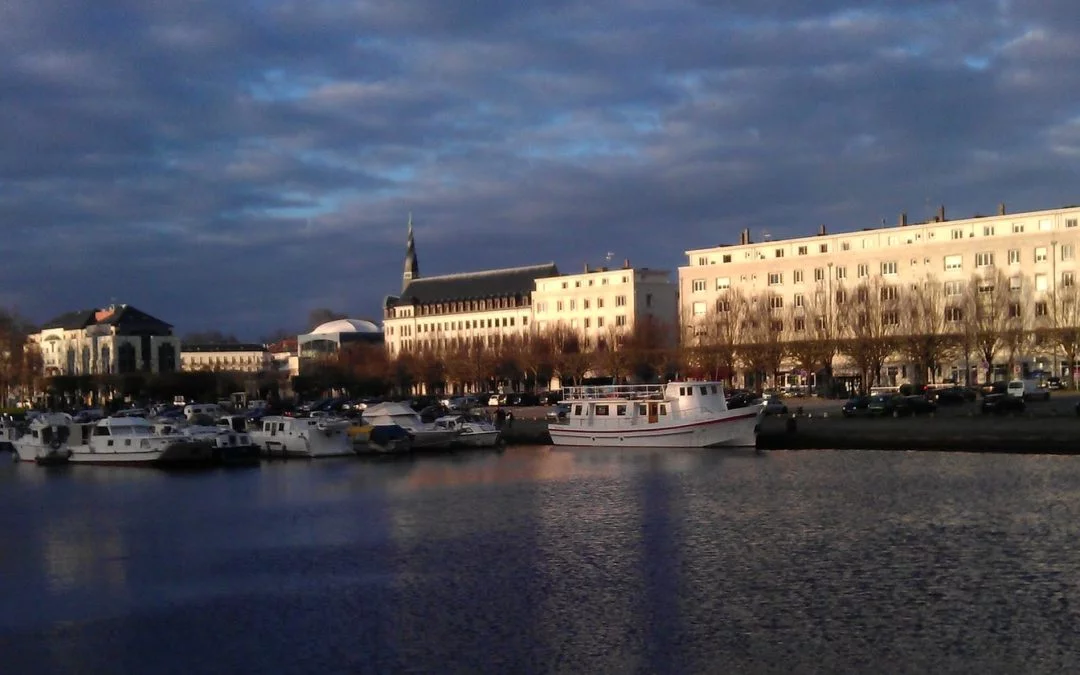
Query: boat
[[228, 445], [424, 435], [9, 431], [383, 439], [673, 415], [133, 440], [46, 439], [476, 432], [282, 436]]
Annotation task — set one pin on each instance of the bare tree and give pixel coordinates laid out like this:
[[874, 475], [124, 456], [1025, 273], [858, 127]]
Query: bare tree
[[1064, 318], [610, 356], [986, 315], [761, 347], [870, 323], [924, 336], [726, 319]]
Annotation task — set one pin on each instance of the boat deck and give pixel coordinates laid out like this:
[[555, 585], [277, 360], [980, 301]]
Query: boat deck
[[625, 392]]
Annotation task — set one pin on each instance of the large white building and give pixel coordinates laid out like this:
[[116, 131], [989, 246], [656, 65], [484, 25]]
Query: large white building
[[805, 283], [117, 339], [237, 358]]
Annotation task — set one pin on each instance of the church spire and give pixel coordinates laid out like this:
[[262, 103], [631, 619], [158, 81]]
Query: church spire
[[412, 267]]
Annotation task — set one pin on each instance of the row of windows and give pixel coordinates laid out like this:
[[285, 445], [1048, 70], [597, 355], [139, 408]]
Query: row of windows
[[867, 243], [467, 324], [952, 263], [459, 306], [586, 303], [625, 278]]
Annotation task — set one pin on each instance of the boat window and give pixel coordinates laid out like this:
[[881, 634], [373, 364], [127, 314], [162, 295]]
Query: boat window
[[663, 408], [577, 409], [620, 410], [682, 391], [641, 409], [601, 409], [714, 389], [704, 390], [281, 426], [101, 431], [109, 443]]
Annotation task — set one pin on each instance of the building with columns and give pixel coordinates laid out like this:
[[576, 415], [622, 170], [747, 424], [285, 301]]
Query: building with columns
[[237, 358], [1018, 270], [117, 339]]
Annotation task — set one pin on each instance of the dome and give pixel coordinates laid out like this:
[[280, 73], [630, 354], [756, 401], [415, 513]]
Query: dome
[[347, 326]]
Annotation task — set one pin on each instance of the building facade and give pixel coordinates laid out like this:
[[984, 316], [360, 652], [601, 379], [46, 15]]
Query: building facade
[[328, 338], [239, 358], [117, 339], [603, 304], [1018, 270]]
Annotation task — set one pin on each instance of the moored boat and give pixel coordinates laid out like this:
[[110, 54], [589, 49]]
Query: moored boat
[[475, 432], [424, 435], [281, 436], [672, 415], [132, 440], [383, 439], [46, 439]]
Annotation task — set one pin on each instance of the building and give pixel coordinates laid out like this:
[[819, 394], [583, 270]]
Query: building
[[941, 275], [446, 311], [326, 339], [117, 339], [602, 304], [240, 358]]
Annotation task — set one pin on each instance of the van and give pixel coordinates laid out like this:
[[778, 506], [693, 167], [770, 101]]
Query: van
[[1028, 390], [211, 409]]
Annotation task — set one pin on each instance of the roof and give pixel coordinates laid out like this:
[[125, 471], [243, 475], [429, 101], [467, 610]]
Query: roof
[[474, 285], [224, 347], [113, 315], [346, 326]]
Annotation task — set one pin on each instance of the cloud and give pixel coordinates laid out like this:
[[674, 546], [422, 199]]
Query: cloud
[[232, 166]]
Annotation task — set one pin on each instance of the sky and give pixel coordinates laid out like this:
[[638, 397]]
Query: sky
[[233, 166]]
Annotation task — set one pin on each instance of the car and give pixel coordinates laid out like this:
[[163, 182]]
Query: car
[[996, 387], [1002, 404], [558, 413], [493, 400], [856, 406], [1054, 383], [775, 406], [953, 395], [920, 404], [738, 398], [889, 405]]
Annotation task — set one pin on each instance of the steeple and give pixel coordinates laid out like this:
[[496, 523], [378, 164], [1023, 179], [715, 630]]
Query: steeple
[[412, 267]]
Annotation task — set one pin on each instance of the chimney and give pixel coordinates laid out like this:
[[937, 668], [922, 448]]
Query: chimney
[[941, 213], [821, 230], [626, 263], [1001, 209], [586, 268], [746, 233], [903, 219], [742, 238]]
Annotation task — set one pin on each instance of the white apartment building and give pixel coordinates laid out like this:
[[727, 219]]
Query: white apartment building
[[1035, 251], [117, 339], [239, 358], [602, 304]]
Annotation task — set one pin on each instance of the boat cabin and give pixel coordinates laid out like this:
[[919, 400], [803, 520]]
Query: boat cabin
[[621, 406]]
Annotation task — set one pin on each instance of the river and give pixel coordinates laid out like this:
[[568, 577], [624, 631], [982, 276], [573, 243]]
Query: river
[[537, 560]]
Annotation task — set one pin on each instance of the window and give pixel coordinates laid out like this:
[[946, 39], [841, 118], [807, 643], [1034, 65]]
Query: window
[[1040, 254], [988, 230], [800, 323], [888, 268], [776, 302], [986, 287], [819, 274], [984, 260], [954, 262], [723, 283], [1040, 308], [779, 253], [863, 271], [798, 300], [776, 278], [1068, 252], [599, 303], [954, 314], [1016, 283], [620, 320], [802, 250], [1070, 222], [889, 293], [957, 233], [573, 305], [841, 273], [601, 409], [699, 309], [558, 306], [723, 306], [564, 284], [577, 284], [1067, 279], [1014, 310], [841, 296], [599, 322], [620, 300], [797, 276], [1040, 282], [726, 258], [1018, 228], [823, 248], [862, 294], [698, 285], [1014, 256], [890, 318], [586, 322], [845, 246], [585, 303]]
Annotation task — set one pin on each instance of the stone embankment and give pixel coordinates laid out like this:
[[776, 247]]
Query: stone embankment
[[1047, 428]]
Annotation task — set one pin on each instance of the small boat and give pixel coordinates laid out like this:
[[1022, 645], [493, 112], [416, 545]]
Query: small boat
[[46, 439], [281, 436], [383, 439], [424, 436], [9, 431], [133, 440], [228, 446], [672, 415], [476, 432]]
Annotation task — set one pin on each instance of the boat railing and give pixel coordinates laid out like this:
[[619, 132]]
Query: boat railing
[[632, 392]]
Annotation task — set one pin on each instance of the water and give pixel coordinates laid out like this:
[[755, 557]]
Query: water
[[534, 560]]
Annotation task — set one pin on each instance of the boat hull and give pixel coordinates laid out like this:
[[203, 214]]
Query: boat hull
[[478, 439], [41, 454], [736, 430], [178, 453]]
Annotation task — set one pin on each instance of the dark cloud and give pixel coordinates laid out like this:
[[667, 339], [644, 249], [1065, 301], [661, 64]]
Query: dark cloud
[[232, 166]]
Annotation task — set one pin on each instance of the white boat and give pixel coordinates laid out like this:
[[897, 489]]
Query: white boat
[[228, 444], [280, 436], [672, 415], [46, 440], [9, 431], [424, 436], [132, 440], [475, 431]]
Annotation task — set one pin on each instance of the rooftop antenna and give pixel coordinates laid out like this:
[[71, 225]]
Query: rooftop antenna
[[609, 256]]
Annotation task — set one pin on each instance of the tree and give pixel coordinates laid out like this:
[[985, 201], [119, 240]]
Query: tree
[[761, 347], [986, 315], [535, 357], [648, 348], [925, 336], [610, 357], [869, 323], [723, 325], [1064, 320], [812, 331]]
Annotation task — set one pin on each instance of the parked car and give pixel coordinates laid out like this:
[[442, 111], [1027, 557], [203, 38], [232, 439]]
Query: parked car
[[997, 387], [1029, 390], [774, 405], [953, 395], [558, 413], [738, 398], [856, 406], [920, 404], [1054, 383], [1002, 404], [889, 405]]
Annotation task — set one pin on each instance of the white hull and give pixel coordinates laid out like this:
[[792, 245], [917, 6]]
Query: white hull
[[338, 445], [478, 439], [42, 454], [179, 452], [735, 428]]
